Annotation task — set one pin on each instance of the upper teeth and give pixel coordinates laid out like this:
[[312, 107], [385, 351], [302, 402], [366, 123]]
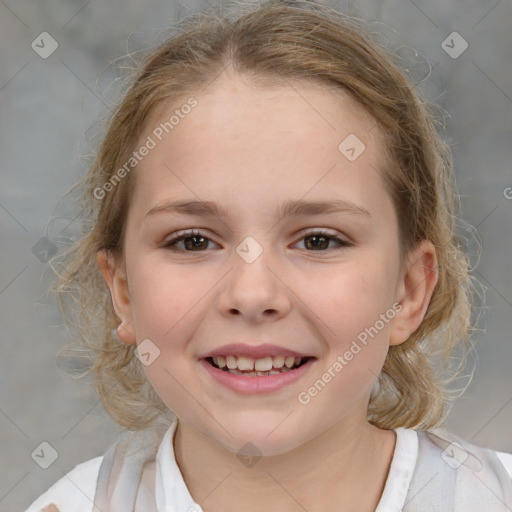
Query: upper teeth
[[262, 365]]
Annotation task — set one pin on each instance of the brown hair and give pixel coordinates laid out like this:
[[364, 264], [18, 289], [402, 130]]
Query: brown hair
[[273, 44]]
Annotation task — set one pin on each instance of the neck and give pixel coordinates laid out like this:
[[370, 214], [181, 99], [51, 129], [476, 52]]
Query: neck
[[346, 465]]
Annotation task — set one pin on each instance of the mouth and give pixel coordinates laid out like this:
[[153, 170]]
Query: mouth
[[250, 369], [262, 367]]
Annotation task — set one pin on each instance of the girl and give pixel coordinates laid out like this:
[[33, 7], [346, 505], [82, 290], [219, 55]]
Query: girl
[[270, 255]]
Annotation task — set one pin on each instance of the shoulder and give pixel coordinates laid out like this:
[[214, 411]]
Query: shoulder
[[476, 477], [457, 450], [74, 492]]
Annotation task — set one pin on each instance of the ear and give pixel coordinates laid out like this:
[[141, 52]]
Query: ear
[[414, 291], [115, 277]]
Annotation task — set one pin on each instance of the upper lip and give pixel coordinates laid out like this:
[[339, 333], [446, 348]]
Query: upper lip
[[252, 351]]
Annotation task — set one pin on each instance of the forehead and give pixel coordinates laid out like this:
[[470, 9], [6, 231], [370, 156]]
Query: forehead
[[262, 139], [236, 106]]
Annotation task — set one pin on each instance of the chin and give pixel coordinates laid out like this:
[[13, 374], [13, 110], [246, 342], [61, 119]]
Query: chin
[[258, 438]]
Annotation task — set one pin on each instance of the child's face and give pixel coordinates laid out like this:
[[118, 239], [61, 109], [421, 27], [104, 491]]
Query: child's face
[[250, 151]]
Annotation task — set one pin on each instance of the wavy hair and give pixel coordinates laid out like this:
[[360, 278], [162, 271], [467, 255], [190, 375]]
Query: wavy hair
[[270, 44]]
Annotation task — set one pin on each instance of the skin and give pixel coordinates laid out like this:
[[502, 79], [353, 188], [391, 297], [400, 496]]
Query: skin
[[250, 149]]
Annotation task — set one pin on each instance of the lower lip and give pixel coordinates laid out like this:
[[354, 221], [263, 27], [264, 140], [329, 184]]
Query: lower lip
[[254, 385]]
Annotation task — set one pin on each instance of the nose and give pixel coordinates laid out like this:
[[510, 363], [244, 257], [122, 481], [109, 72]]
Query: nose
[[255, 290]]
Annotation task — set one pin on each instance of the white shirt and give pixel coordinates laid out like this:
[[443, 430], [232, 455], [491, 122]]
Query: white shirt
[[75, 491]]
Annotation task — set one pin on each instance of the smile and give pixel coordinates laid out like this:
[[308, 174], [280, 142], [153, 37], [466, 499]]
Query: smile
[[264, 375]]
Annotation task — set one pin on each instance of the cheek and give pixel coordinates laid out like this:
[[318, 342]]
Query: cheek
[[163, 298], [357, 342], [166, 302], [354, 312], [351, 298]]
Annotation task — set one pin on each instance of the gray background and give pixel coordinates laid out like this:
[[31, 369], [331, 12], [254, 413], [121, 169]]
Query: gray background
[[47, 107]]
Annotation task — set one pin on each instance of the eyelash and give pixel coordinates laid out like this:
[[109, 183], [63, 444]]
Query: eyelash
[[171, 244]]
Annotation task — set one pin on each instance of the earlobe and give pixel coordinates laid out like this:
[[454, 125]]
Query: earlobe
[[414, 291], [115, 277]]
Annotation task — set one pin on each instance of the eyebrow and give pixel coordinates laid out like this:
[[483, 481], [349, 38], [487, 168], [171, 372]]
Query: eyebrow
[[288, 208]]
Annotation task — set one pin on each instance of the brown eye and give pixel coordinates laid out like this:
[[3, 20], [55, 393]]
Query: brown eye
[[320, 241], [316, 242], [191, 242], [195, 242]]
